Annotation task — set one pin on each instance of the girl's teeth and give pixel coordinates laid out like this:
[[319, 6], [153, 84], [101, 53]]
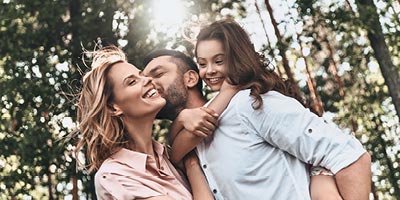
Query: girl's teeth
[[214, 79]]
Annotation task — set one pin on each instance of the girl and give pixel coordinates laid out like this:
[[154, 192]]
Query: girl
[[265, 138], [116, 110]]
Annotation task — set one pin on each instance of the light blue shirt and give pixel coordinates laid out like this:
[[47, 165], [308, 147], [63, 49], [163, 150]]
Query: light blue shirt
[[263, 154]]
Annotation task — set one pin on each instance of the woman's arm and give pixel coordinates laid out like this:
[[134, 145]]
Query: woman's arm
[[185, 141]]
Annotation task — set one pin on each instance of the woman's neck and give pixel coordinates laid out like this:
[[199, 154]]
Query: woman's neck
[[140, 135]]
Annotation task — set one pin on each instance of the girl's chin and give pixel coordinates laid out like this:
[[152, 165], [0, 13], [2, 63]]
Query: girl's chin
[[215, 88]]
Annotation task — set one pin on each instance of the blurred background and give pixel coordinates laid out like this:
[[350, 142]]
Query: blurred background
[[343, 55]]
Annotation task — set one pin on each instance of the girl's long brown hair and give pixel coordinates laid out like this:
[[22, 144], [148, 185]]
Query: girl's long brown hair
[[98, 130], [246, 67]]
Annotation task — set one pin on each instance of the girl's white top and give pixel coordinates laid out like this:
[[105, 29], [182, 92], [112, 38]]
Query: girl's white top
[[264, 153]]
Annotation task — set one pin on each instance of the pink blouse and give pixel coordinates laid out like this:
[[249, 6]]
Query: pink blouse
[[129, 175]]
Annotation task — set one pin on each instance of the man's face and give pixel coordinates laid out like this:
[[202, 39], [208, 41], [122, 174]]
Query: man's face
[[168, 80]]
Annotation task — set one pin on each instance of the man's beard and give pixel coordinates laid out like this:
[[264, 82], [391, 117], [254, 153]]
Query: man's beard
[[176, 97]]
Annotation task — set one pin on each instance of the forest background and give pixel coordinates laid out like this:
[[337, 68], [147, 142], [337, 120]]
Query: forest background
[[343, 55]]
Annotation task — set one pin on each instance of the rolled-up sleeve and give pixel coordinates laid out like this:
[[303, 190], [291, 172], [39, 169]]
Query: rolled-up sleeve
[[284, 123]]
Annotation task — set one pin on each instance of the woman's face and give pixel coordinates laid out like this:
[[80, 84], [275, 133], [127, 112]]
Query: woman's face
[[134, 95], [212, 63]]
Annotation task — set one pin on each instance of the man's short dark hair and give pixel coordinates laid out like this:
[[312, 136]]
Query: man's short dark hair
[[184, 62]]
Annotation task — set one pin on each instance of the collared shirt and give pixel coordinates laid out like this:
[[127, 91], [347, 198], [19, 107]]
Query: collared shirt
[[263, 154], [130, 175]]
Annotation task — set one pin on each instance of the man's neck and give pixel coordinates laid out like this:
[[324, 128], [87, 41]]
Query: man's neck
[[195, 100]]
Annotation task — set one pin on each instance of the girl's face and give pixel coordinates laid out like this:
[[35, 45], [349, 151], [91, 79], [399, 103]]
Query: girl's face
[[134, 95], [212, 63]]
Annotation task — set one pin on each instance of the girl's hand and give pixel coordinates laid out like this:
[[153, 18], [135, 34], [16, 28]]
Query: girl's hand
[[200, 121]]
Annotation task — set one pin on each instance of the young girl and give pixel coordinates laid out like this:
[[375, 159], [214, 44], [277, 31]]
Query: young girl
[[265, 139], [116, 110]]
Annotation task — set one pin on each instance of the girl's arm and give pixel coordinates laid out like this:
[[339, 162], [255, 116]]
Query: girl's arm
[[323, 185], [186, 141], [197, 180]]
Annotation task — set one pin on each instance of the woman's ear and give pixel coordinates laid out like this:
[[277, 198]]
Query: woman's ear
[[191, 78], [114, 109]]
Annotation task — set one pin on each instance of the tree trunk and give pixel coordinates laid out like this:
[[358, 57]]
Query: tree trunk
[[265, 32], [75, 19], [262, 22], [334, 68], [50, 184], [316, 101], [370, 18], [374, 192], [74, 191], [389, 164], [282, 46], [350, 7]]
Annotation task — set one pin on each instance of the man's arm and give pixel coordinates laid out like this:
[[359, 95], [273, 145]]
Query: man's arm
[[197, 180], [354, 181]]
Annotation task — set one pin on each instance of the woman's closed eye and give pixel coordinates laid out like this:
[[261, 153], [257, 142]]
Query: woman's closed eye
[[132, 82]]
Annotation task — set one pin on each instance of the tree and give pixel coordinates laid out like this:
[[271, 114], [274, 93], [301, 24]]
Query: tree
[[371, 23]]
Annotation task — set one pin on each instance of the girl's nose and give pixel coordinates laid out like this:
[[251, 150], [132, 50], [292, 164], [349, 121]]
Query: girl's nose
[[210, 69]]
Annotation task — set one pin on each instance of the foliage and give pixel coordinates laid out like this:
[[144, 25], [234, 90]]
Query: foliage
[[41, 65]]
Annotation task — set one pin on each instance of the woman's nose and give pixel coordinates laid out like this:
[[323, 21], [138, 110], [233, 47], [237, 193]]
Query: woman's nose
[[146, 80]]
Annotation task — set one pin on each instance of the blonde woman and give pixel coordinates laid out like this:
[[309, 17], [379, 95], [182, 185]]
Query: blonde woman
[[116, 110]]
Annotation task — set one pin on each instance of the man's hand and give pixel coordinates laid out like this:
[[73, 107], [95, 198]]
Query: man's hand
[[200, 121]]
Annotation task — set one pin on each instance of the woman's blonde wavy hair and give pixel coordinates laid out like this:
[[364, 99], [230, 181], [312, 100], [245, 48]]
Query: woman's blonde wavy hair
[[98, 129]]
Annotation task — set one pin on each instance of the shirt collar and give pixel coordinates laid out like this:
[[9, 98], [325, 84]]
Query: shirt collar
[[138, 160]]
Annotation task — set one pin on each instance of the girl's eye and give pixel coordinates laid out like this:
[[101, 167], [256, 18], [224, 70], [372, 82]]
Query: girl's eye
[[202, 64], [219, 62]]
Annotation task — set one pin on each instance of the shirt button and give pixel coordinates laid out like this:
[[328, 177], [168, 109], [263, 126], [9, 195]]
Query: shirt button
[[104, 176], [205, 166], [309, 130], [215, 191], [162, 168]]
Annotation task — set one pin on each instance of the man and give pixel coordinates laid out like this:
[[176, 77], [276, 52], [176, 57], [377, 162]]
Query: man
[[175, 76]]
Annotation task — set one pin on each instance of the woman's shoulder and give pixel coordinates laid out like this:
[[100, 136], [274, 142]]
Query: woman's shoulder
[[116, 162]]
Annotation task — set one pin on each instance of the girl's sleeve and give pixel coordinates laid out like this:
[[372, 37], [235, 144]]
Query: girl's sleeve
[[284, 123]]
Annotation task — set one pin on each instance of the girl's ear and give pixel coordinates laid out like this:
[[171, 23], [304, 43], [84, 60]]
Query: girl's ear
[[191, 78], [114, 109]]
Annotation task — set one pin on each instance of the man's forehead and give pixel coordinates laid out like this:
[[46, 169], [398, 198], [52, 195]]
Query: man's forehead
[[159, 63]]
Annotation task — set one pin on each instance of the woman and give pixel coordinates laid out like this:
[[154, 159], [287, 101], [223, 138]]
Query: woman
[[116, 110]]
